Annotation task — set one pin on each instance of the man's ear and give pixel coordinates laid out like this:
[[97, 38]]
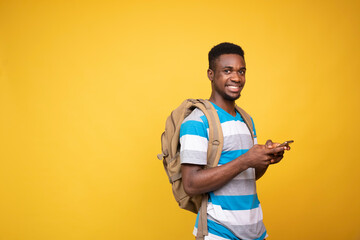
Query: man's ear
[[210, 74]]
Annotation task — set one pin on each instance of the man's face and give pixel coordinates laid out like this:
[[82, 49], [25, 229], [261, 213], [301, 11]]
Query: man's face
[[228, 76]]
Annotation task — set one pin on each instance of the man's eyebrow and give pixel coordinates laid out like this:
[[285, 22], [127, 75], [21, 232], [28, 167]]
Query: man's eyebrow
[[231, 67], [228, 67]]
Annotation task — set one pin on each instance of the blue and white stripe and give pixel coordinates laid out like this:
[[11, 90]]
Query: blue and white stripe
[[234, 210]]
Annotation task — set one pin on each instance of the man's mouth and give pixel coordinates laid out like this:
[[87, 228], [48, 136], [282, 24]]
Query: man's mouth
[[234, 88]]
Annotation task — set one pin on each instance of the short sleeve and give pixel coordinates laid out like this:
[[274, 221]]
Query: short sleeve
[[194, 139]]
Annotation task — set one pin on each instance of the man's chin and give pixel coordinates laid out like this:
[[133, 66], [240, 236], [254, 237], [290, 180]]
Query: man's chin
[[232, 98]]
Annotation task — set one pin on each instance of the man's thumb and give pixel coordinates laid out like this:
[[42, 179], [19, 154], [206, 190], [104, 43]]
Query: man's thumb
[[269, 144]]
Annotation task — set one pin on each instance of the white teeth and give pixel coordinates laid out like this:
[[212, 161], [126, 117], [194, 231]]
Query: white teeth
[[233, 87]]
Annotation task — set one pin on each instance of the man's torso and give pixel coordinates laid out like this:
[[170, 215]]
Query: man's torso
[[233, 210]]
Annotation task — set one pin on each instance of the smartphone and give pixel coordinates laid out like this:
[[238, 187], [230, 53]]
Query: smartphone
[[286, 143]]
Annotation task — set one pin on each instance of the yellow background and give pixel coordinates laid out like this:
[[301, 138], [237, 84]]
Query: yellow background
[[86, 86]]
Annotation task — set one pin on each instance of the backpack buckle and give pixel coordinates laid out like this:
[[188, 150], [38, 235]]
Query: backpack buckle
[[161, 156]]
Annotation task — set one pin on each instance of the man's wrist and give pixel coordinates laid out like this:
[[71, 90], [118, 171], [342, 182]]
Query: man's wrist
[[243, 162]]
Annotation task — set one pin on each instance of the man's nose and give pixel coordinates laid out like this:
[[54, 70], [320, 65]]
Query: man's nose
[[236, 77]]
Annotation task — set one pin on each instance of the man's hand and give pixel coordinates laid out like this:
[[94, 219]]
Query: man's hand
[[279, 155], [260, 156]]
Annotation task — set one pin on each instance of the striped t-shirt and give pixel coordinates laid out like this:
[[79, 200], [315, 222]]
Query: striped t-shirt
[[233, 211]]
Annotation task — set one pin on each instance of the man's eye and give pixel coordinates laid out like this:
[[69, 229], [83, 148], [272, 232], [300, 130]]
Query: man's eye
[[242, 72], [227, 71]]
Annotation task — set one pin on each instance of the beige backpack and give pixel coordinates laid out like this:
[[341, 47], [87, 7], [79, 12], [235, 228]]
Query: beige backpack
[[171, 153]]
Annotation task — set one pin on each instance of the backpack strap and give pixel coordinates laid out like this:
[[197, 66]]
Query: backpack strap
[[215, 146], [202, 229], [247, 120], [216, 138]]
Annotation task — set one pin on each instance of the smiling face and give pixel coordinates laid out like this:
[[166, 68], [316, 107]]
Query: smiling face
[[227, 78]]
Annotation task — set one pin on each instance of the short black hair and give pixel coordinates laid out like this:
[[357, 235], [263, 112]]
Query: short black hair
[[223, 48]]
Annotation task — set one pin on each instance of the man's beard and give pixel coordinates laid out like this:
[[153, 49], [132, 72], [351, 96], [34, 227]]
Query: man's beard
[[229, 98]]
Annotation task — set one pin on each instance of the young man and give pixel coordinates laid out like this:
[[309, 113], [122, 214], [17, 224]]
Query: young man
[[233, 210]]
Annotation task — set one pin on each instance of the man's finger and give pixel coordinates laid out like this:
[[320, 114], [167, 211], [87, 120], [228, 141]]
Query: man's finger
[[269, 144], [277, 150]]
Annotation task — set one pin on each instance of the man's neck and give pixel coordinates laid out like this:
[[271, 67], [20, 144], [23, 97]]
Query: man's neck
[[228, 106]]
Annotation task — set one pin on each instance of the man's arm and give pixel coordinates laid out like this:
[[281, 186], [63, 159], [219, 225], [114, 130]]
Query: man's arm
[[198, 180]]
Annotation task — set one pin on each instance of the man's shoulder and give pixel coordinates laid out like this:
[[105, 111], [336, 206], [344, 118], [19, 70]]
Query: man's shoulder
[[195, 124], [196, 115]]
